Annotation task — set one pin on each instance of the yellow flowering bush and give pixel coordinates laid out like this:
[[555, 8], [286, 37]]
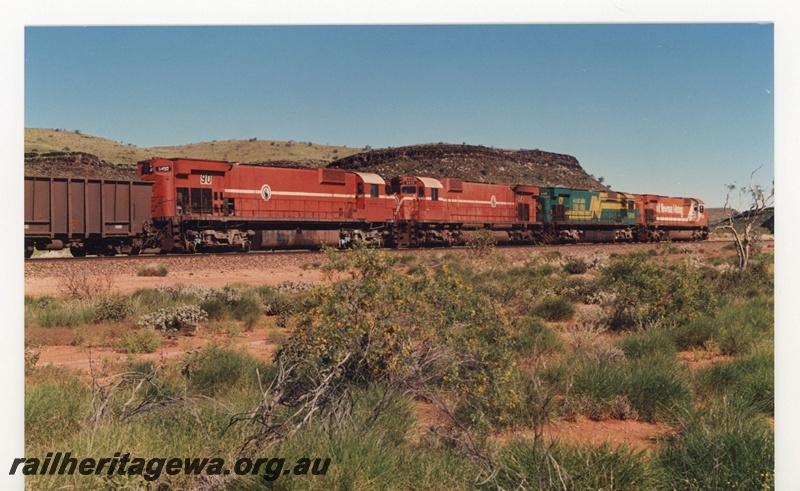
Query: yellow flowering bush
[[653, 291], [427, 332]]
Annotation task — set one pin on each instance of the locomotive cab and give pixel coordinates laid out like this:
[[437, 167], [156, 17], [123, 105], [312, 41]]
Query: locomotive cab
[[184, 187], [418, 198], [374, 200]]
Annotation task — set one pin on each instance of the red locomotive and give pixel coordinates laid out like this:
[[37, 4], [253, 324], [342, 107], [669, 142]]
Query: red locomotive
[[207, 205], [662, 217], [448, 211]]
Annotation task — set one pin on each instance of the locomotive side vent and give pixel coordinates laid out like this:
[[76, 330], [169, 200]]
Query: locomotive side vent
[[331, 176]]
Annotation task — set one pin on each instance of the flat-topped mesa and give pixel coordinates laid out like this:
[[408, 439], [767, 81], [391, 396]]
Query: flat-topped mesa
[[474, 163]]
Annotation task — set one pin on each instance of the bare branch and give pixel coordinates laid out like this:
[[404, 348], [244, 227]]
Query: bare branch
[[746, 237]]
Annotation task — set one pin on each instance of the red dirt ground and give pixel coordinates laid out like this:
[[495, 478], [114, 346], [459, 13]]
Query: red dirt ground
[[635, 435], [258, 341]]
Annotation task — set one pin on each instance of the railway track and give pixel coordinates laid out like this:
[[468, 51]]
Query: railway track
[[159, 257], [565, 248]]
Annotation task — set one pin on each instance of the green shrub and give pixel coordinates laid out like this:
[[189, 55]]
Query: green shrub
[[51, 312], [186, 317], [482, 242], [549, 256], [651, 291], [578, 290], [139, 341], [276, 302], [646, 344], [535, 465], [531, 336], [576, 266], [229, 329], [184, 291], [214, 369], [216, 308], [554, 309], [546, 270], [233, 302], [653, 386], [152, 269], [732, 281], [741, 328], [391, 324], [727, 446], [247, 308], [737, 330], [751, 379], [112, 309], [371, 453], [513, 287], [54, 410], [695, 334]]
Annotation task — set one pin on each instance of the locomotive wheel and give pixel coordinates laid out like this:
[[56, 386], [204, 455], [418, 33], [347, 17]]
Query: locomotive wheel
[[28, 251], [245, 247], [77, 251]]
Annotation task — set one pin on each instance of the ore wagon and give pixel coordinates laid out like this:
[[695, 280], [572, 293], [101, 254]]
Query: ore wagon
[[90, 216]]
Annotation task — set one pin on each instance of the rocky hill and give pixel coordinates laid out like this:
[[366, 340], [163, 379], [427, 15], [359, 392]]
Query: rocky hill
[[76, 164], [474, 163]]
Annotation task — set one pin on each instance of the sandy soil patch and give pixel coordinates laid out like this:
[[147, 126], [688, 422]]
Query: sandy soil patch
[[260, 342]]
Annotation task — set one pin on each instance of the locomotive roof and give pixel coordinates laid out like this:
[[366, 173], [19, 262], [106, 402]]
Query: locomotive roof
[[370, 178], [430, 182]]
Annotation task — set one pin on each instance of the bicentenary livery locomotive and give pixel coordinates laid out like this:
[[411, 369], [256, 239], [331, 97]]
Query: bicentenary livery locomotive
[[200, 205]]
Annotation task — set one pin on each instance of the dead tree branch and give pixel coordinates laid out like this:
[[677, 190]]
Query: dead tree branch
[[743, 225]]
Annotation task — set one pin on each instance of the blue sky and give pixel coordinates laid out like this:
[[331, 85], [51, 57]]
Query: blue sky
[[677, 109]]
